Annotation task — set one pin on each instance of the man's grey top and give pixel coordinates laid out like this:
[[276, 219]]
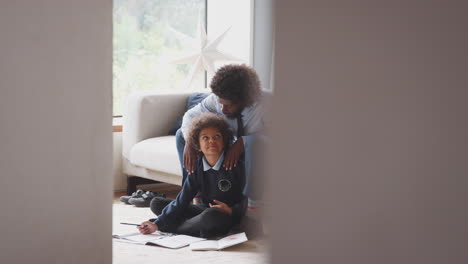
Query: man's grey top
[[251, 116]]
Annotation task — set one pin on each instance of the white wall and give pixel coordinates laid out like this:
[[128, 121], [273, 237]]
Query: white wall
[[56, 131], [370, 132]]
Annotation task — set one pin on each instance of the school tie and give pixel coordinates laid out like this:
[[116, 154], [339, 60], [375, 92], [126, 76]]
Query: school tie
[[240, 126]]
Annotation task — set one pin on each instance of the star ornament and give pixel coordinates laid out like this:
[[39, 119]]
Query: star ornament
[[204, 55]]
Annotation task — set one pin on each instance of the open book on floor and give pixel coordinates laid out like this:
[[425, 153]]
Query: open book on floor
[[159, 239], [219, 244]]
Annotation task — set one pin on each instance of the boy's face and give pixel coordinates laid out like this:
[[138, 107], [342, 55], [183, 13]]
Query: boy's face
[[229, 108], [211, 142]]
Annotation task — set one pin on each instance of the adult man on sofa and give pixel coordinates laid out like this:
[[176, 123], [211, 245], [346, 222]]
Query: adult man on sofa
[[236, 94]]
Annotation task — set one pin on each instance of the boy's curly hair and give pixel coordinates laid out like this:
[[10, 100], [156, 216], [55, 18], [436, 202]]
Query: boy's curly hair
[[209, 120], [237, 83]]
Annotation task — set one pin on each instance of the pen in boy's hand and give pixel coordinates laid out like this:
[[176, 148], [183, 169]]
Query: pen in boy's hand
[[129, 224]]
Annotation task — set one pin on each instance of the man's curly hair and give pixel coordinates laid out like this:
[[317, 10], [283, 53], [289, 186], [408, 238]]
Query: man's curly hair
[[237, 83], [209, 120]]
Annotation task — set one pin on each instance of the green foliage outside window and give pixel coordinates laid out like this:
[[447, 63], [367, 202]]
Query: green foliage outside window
[[143, 42]]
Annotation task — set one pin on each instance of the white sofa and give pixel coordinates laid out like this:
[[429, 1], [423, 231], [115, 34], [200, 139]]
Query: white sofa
[[148, 151]]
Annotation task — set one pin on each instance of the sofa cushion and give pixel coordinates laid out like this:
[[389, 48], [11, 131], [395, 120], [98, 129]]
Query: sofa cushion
[[192, 101], [158, 153]]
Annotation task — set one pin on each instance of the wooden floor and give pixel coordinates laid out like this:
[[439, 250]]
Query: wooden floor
[[252, 252], [170, 190]]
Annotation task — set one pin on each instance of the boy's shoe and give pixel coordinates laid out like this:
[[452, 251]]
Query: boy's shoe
[[136, 194], [145, 199]]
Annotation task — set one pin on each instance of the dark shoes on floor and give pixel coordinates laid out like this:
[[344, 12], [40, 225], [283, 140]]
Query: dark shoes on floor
[[141, 198], [136, 194], [145, 199]]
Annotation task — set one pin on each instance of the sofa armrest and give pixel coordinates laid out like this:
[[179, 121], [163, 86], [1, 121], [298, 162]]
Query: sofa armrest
[[149, 115]]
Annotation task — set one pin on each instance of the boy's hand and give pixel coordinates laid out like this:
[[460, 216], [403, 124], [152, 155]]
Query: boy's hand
[[222, 206], [190, 158], [233, 154], [147, 227]]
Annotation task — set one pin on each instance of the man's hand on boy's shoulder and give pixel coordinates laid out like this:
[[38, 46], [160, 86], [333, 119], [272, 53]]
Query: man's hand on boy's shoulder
[[147, 227], [190, 158], [233, 154]]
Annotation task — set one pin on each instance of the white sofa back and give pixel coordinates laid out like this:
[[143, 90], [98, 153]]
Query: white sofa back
[[149, 115]]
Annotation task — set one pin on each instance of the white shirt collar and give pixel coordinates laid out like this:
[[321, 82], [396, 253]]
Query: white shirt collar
[[216, 167]]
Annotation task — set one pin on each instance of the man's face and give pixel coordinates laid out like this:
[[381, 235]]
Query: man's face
[[229, 108]]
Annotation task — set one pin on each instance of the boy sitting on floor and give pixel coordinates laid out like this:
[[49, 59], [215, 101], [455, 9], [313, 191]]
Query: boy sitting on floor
[[222, 204]]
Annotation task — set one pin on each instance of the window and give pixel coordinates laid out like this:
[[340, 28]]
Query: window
[[146, 38]]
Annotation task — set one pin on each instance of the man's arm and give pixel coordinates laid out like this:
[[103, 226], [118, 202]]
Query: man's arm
[[233, 154], [207, 105]]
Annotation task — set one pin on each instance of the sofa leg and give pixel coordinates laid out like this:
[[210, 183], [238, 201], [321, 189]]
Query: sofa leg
[[131, 184], [133, 181]]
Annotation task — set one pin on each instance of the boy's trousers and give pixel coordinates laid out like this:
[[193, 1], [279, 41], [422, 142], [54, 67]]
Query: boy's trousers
[[198, 220]]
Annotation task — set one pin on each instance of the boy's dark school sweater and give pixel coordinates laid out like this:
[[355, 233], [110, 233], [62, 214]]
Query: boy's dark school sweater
[[212, 185]]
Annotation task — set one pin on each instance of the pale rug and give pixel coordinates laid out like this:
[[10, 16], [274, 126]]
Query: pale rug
[[252, 251]]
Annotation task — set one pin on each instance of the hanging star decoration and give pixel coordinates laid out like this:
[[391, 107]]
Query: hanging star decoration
[[205, 54]]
